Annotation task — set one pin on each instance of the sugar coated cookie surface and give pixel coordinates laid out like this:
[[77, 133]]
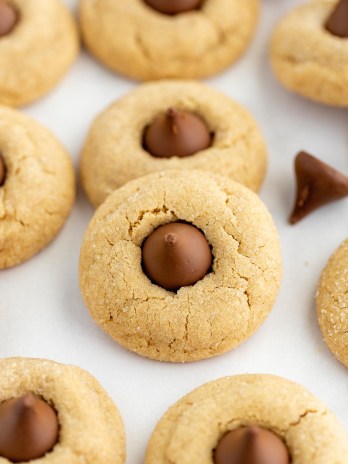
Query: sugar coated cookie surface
[[332, 303], [38, 43], [309, 59], [136, 39], [191, 429], [226, 304], [37, 187], [90, 428], [115, 151]]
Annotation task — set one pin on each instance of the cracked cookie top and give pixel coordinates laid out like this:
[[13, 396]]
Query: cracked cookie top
[[37, 187], [309, 59], [118, 146], [37, 46], [90, 426], [215, 314], [332, 303], [137, 40], [191, 430]]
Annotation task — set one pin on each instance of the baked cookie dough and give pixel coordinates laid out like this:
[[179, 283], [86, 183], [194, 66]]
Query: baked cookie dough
[[39, 44], [332, 303], [90, 428], [137, 40], [307, 58], [191, 430], [193, 322], [114, 152], [37, 187]]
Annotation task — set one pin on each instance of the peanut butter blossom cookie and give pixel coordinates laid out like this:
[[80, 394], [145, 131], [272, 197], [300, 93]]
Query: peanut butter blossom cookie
[[248, 419], [180, 265], [171, 125], [37, 187], [154, 39], [54, 413], [38, 43], [309, 51], [332, 303]]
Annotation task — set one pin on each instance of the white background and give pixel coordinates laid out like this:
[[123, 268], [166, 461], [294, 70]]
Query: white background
[[41, 310]]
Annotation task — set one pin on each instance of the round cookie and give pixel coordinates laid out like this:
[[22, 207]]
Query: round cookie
[[137, 40], [332, 303], [37, 51], [37, 187], [90, 426], [307, 58], [114, 151], [191, 430], [204, 319]]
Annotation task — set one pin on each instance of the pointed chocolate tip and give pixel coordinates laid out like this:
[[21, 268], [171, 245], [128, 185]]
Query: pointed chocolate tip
[[251, 431], [317, 184], [337, 23], [171, 113], [171, 239], [172, 118], [28, 401], [176, 132]]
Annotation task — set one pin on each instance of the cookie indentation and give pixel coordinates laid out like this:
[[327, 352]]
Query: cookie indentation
[[176, 133], [2, 170], [176, 255], [251, 445], [9, 18], [174, 7], [28, 428]]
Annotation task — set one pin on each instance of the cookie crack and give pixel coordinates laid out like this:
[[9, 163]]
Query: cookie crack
[[300, 418], [141, 46], [133, 225]]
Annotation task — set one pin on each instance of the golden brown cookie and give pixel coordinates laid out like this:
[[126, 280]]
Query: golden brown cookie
[[38, 45], [332, 303], [191, 430], [309, 59], [137, 40], [90, 426], [37, 187], [215, 314], [115, 152]]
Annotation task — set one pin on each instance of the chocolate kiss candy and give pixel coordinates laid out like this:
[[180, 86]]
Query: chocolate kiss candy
[[176, 133], [251, 445], [317, 184], [28, 428], [173, 7], [337, 24], [176, 255], [8, 17], [2, 170]]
